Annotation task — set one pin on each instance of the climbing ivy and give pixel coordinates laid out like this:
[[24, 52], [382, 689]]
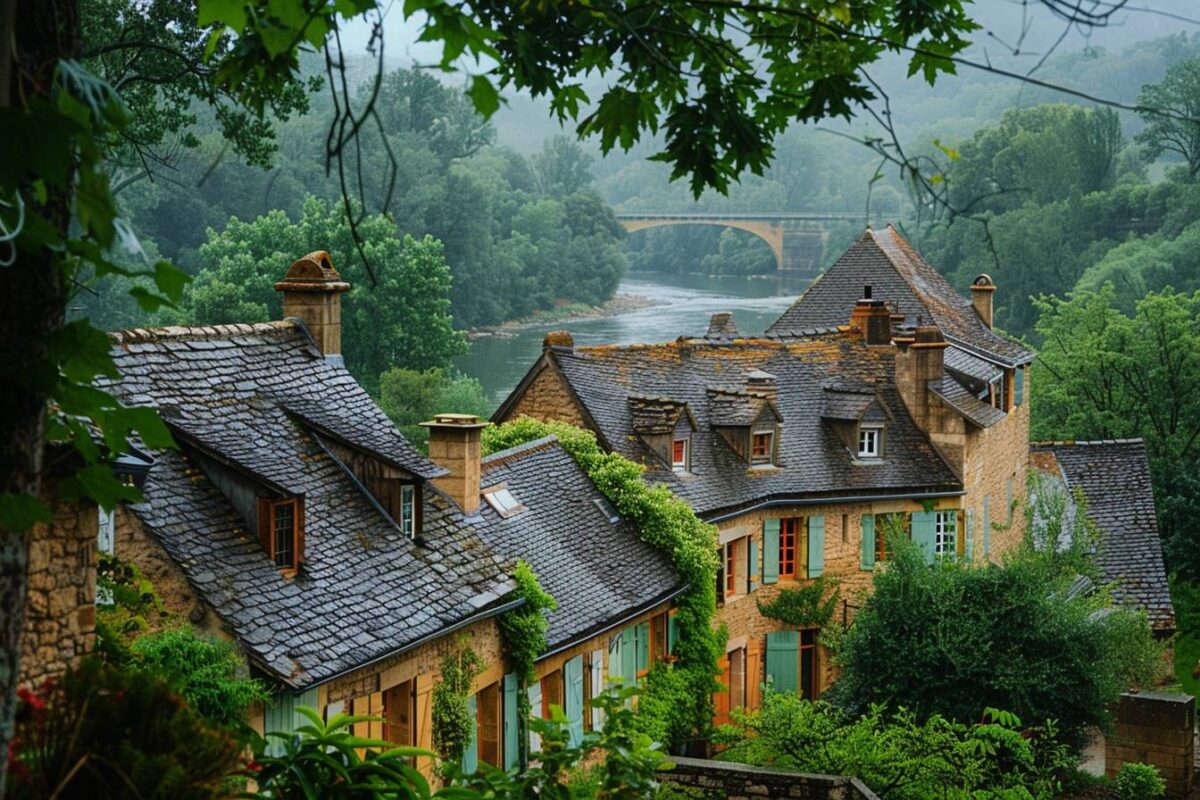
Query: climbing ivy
[[452, 720], [676, 703], [524, 633], [804, 606]]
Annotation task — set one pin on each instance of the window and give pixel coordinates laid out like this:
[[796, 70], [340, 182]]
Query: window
[[658, 637], [502, 500], [408, 516], [789, 536], [281, 531], [945, 534], [487, 722], [737, 678], [680, 454], [889, 525], [732, 559], [399, 715], [870, 440], [607, 509], [760, 447], [552, 692], [810, 673]]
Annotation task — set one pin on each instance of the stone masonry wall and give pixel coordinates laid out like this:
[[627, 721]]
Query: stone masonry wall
[[1155, 728], [60, 611], [547, 398], [716, 780], [996, 458]]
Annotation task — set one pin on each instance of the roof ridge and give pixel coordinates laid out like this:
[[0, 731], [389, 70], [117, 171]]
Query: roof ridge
[[141, 335], [519, 451], [1083, 442]]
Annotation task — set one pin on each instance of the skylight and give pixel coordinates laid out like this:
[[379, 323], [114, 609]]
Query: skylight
[[503, 501], [608, 510]]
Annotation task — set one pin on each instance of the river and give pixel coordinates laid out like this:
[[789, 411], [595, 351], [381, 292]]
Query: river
[[684, 304]]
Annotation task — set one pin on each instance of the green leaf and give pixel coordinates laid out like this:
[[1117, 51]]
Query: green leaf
[[231, 13], [19, 512], [100, 483], [484, 95], [149, 301], [170, 280]]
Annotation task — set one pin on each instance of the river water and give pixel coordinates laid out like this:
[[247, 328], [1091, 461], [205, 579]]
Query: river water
[[684, 305]]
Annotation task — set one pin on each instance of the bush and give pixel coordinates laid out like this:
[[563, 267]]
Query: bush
[[951, 639], [1140, 782], [898, 755], [103, 732], [410, 397]]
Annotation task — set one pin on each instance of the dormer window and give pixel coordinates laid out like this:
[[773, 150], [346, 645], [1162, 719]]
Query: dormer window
[[681, 451], [761, 446], [870, 441], [281, 531], [408, 512], [501, 499]]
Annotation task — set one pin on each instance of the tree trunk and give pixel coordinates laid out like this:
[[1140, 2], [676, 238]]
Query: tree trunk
[[36, 35]]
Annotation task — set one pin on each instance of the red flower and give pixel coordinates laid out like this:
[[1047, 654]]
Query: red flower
[[253, 766]]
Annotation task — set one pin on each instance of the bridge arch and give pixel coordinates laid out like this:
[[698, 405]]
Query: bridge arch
[[771, 233]]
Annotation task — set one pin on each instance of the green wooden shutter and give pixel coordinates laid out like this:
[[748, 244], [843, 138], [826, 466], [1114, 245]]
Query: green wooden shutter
[[867, 559], [629, 655], [752, 568], [783, 661], [573, 699], [512, 725], [770, 551], [924, 532], [281, 715], [816, 546], [616, 657], [642, 637], [987, 527], [470, 758], [970, 534], [672, 633], [1019, 386]]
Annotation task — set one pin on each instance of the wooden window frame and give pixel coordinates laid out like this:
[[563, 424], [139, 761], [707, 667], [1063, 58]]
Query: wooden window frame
[[789, 539], [731, 568], [489, 716], [738, 682], [874, 432], [678, 463], [658, 637], [408, 524], [267, 510], [946, 539], [766, 457], [810, 644], [403, 692], [554, 690]]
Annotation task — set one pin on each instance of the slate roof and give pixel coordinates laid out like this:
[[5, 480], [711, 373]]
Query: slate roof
[[655, 415], [813, 460], [598, 571], [899, 276], [245, 392], [1114, 476], [961, 400]]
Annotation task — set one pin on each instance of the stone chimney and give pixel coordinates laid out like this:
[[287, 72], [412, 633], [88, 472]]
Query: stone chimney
[[762, 384], [454, 444], [558, 340], [920, 358], [722, 328], [312, 292], [873, 319], [982, 290]]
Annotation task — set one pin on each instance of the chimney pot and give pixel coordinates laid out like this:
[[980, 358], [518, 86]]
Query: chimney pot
[[873, 319], [312, 291], [454, 444], [559, 340], [982, 290]]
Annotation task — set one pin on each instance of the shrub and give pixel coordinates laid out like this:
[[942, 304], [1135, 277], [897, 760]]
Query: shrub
[[1140, 782], [951, 639], [103, 732]]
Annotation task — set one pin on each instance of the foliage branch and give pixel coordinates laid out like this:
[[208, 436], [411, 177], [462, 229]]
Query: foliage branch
[[453, 724], [676, 704], [804, 606]]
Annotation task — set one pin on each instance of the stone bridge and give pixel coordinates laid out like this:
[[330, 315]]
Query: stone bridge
[[796, 239]]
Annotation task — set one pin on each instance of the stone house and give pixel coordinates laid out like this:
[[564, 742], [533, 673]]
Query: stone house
[[1113, 477], [294, 520], [881, 400]]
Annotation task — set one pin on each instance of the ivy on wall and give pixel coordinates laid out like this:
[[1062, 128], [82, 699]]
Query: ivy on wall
[[524, 633], [804, 606], [675, 706], [452, 720]]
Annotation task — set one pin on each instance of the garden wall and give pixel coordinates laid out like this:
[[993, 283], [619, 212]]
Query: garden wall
[[710, 780], [1155, 728]]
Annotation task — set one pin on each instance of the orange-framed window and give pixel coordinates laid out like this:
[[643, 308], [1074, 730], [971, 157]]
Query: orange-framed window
[[789, 538], [760, 447], [731, 568], [281, 531], [679, 455], [658, 637]]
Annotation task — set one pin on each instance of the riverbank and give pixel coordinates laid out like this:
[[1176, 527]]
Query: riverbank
[[572, 312]]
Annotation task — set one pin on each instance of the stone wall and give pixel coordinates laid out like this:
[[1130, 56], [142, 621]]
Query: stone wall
[[60, 610], [547, 398], [713, 780], [1155, 728], [995, 459]]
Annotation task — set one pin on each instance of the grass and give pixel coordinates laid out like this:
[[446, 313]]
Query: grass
[[1186, 598]]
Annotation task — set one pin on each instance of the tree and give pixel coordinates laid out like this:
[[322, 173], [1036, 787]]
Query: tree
[[953, 639], [1104, 375], [563, 167], [401, 319], [410, 397], [1179, 93]]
